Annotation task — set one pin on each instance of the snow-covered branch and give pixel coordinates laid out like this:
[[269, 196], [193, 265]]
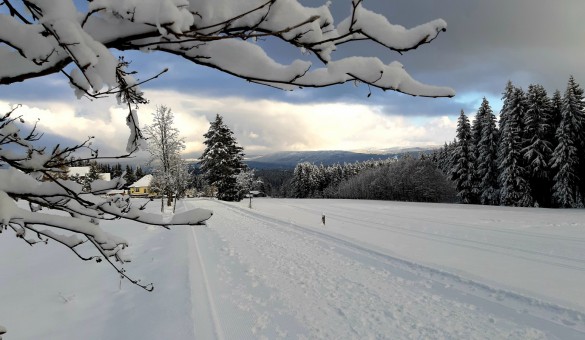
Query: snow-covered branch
[[39, 37], [36, 176], [220, 34]]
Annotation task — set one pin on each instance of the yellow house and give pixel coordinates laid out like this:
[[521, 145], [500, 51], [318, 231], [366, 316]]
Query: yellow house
[[141, 187]]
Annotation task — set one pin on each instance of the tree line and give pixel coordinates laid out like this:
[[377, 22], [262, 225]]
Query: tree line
[[310, 180], [532, 157], [129, 173], [408, 178]]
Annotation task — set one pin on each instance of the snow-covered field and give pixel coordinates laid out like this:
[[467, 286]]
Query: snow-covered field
[[375, 270]]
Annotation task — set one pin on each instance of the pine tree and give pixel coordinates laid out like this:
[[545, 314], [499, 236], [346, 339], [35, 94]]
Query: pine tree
[[556, 116], [117, 170], [222, 160], [139, 173], [92, 175], [487, 164], [129, 176], [537, 151], [514, 188], [476, 132], [462, 169], [566, 158]]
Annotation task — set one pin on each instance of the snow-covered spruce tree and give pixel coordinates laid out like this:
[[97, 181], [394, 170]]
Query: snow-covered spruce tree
[[165, 147], [538, 150], [556, 115], [476, 131], [222, 160], [92, 176], [567, 155], [462, 170], [443, 157], [514, 187], [117, 171], [129, 175], [300, 181], [487, 162], [76, 39], [138, 174]]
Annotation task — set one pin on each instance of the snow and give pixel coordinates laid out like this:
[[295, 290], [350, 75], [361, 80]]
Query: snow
[[143, 182], [376, 270], [79, 171], [221, 34]]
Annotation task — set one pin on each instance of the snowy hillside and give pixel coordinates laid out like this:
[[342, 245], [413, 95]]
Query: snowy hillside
[[289, 159], [381, 270]]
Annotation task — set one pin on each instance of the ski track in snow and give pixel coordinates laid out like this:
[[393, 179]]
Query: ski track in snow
[[274, 272], [217, 330], [465, 242], [337, 289]]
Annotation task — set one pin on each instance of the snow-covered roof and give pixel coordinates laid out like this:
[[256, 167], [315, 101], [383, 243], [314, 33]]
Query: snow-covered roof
[[143, 182]]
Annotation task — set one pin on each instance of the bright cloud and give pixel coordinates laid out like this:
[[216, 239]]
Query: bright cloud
[[260, 126]]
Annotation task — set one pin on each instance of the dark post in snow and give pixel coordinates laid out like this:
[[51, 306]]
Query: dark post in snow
[[250, 204], [323, 219]]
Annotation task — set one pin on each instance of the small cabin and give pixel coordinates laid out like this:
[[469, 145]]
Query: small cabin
[[141, 187]]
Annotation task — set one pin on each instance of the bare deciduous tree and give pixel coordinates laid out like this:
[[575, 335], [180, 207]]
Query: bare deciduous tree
[[165, 147]]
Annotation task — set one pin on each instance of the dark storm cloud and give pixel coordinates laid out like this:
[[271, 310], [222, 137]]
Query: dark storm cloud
[[487, 44]]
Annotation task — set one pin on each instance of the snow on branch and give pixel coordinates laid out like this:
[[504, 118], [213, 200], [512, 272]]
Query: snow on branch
[[39, 37], [208, 33], [37, 176]]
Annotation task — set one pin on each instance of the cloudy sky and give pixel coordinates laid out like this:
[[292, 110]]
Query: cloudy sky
[[487, 44]]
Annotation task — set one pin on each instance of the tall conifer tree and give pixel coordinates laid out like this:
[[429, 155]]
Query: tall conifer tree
[[567, 159], [514, 188], [476, 130], [462, 157], [139, 173], [538, 150], [129, 177], [556, 115], [222, 160], [487, 165]]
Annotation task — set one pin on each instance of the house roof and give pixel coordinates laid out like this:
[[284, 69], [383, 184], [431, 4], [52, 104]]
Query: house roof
[[143, 182]]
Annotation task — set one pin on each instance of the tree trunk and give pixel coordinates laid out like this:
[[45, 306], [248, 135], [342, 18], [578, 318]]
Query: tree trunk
[[169, 199]]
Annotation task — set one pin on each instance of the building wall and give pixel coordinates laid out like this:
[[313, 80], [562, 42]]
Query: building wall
[[139, 191]]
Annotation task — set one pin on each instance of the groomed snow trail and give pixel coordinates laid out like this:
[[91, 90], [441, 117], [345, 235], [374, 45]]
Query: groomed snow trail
[[273, 278], [377, 270], [206, 322]]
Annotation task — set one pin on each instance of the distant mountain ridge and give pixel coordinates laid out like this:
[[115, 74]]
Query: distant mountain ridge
[[289, 159]]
